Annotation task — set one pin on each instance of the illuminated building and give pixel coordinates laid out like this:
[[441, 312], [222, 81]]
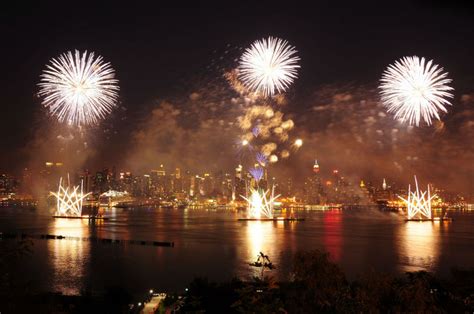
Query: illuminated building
[[366, 191], [102, 181], [112, 198], [186, 182], [177, 182], [238, 172], [286, 188], [316, 166], [313, 188], [86, 179], [50, 172], [239, 182], [197, 188], [8, 184], [207, 184], [383, 193]]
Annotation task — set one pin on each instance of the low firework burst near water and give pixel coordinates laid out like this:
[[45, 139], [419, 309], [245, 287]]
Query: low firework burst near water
[[69, 199], [269, 66], [260, 203], [419, 202], [79, 89], [413, 89]]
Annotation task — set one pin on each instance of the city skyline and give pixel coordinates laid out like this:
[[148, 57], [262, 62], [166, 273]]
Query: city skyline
[[170, 184]]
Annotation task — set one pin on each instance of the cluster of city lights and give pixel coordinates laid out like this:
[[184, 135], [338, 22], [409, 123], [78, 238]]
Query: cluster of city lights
[[418, 202], [69, 199]]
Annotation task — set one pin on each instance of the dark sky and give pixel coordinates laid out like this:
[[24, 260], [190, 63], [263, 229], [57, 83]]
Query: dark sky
[[157, 50]]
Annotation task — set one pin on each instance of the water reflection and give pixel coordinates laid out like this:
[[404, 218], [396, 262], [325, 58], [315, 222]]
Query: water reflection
[[68, 257], [260, 238], [419, 245], [333, 233], [361, 240]]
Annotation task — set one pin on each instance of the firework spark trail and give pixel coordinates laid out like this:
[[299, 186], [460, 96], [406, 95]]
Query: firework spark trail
[[261, 159], [269, 66], [256, 173], [69, 199], [79, 89], [413, 89], [418, 202], [260, 203]]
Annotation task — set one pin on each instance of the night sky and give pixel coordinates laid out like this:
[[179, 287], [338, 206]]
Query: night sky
[[162, 52]]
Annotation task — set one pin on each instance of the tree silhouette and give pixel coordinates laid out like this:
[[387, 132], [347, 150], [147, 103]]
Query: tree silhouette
[[263, 261]]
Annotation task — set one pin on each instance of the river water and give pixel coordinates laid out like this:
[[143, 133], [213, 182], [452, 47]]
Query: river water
[[212, 243]]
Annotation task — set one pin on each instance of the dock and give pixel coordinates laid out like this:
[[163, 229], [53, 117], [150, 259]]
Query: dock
[[13, 236], [271, 219], [82, 217], [430, 219]]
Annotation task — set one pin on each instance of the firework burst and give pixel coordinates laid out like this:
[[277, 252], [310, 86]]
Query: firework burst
[[257, 173], [269, 66], [418, 202], [413, 89], [69, 199], [260, 203], [79, 89], [261, 159]]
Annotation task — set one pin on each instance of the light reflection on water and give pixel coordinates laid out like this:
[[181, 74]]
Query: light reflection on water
[[333, 234], [68, 257], [420, 245], [260, 238], [215, 244]]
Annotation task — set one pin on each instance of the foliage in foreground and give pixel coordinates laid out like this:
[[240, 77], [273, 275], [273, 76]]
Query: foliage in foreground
[[319, 285]]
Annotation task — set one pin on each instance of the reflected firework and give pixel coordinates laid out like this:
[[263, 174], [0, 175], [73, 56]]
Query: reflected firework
[[269, 66], [413, 89], [79, 89]]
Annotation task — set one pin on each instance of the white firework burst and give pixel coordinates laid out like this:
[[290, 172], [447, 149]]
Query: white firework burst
[[269, 66], [413, 89], [260, 203], [70, 199], [418, 203], [79, 89]]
